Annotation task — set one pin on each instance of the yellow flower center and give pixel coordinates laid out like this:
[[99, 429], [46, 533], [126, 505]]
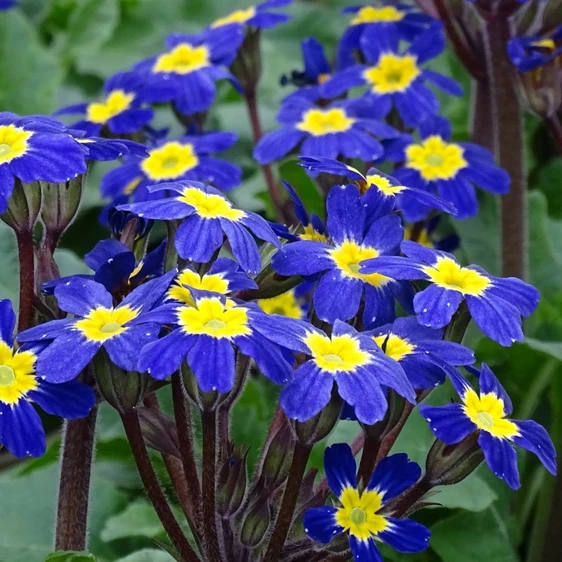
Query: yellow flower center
[[285, 304], [393, 73], [436, 159], [183, 59], [103, 323], [358, 514], [16, 374], [448, 274], [310, 234], [13, 142], [382, 184], [370, 14], [212, 282], [213, 318], [115, 103], [169, 161], [336, 354], [318, 122], [210, 205], [488, 413], [396, 347], [239, 16], [348, 257]]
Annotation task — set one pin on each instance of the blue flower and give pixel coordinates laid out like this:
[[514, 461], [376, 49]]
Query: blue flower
[[187, 158], [420, 351], [317, 71], [104, 150], [209, 216], [338, 129], [7, 4], [496, 304], [116, 267], [205, 336], [121, 330], [360, 513], [257, 16], [428, 236], [391, 19], [187, 73], [395, 78], [347, 358], [36, 148], [450, 169], [117, 221], [354, 238], [381, 193], [120, 112], [21, 429], [486, 413], [530, 52], [224, 277]]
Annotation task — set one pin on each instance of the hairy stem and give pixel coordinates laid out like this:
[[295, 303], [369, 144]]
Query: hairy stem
[[74, 484], [507, 115], [272, 186], [26, 256], [153, 489], [481, 124], [209, 488], [284, 519]]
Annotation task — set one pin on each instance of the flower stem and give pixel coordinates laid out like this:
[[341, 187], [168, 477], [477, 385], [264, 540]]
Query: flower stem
[[26, 255], [507, 115], [153, 489], [555, 130], [210, 526], [481, 125], [251, 103], [284, 519], [74, 484]]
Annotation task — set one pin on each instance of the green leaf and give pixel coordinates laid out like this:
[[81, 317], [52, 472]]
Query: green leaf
[[552, 348], [301, 182], [467, 537], [10, 265], [28, 509], [29, 74], [92, 23], [549, 183], [70, 556], [147, 555], [137, 520], [472, 494]]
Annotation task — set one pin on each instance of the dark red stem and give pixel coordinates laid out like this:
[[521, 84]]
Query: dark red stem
[[26, 255]]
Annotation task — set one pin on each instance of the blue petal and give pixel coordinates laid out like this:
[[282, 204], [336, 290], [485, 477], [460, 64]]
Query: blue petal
[[103, 251], [337, 297], [7, 322], [534, 438], [385, 235], [489, 384], [435, 305], [380, 307], [340, 468], [449, 423], [320, 523], [243, 246], [307, 393], [429, 44], [148, 294], [124, 349], [325, 145], [343, 81], [487, 176], [116, 272], [163, 357], [405, 535], [79, 296], [364, 551], [197, 239], [448, 85], [346, 214], [518, 293], [21, 430], [396, 267], [212, 362], [415, 103], [276, 144], [501, 458], [304, 257], [68, 400], [393, 475], [47, 331], [198, 92], [6, 186], [451, 352], [461, 194]]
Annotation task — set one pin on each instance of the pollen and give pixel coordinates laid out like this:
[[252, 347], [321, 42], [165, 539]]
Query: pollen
[[115, 103], [336, 354], [210, 205], [103, 323], [211, 317], [448, 274], [487, 412], [170, 161], [285, 304], [183, 59], [436, 159], [318, 122], [358, 514], [396, 347], [370, 14], [238, 16], [392, 74], [348, 257], [13, 142], [17, 376]]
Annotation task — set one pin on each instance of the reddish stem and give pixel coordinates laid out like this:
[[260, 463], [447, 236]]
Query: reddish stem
[[26, 254]]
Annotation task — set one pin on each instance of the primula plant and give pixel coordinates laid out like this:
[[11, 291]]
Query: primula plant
[[292, 325]]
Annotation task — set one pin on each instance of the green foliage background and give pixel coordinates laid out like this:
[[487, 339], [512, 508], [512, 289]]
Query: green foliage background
[[57, 52]]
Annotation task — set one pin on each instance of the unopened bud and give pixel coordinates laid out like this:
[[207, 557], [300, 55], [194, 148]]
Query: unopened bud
[[256, 523], [247, 66], [277, 461], [61, 202], [320, 426], [233, 479], [24, 206], [159, 431]]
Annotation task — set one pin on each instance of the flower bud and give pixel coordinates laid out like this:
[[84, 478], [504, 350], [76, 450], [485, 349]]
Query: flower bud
[[256, 523], [24, 206], [61, 202], [247, 65], [159, 431], [320, 426], [277, 461], [122, 390], [118, 221], [232, 482], [450, 464]]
